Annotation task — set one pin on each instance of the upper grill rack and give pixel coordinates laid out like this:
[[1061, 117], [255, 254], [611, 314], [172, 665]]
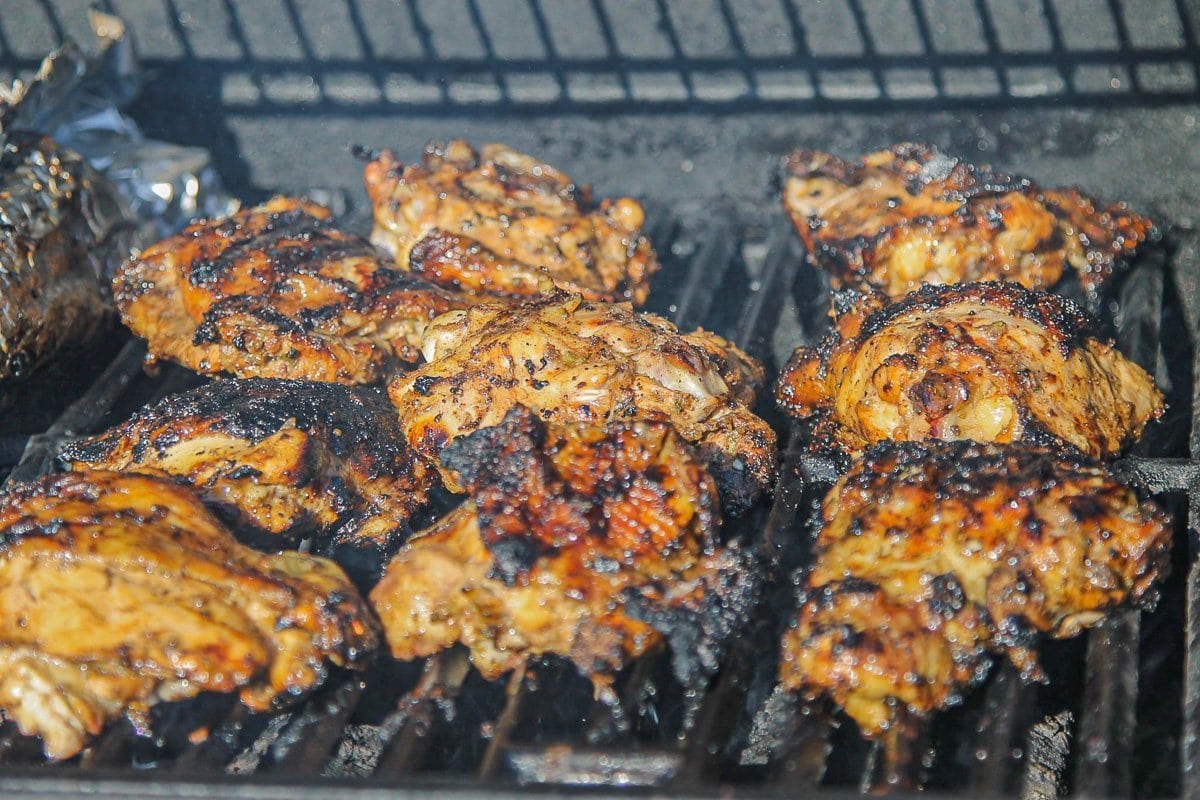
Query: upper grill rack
[[363, 57], [439, 726]]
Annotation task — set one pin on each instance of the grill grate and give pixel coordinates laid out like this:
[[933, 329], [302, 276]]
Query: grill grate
[[361, 57], [408, 724]]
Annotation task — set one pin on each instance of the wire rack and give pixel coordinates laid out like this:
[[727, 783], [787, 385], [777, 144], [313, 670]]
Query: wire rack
[[644, 56]]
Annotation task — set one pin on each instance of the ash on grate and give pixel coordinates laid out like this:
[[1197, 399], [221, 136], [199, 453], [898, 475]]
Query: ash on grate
[[358, 752]]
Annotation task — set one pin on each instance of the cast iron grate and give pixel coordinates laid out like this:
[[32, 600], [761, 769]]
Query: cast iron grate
[[1111, 723], [364, 57]]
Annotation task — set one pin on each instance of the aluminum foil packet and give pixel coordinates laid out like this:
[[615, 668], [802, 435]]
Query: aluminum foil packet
[[77, 99]]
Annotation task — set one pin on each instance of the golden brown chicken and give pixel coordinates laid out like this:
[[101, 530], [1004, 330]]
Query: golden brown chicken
[[572, 360], [280, 461], [992, 362], [120, 591], [592, 543], [929, 554], [277, 292], [500, 222], [911, 215]]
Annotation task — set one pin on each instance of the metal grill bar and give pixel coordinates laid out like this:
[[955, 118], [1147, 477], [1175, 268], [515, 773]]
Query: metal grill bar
[[996, 731], [722, 75], [308, 741]]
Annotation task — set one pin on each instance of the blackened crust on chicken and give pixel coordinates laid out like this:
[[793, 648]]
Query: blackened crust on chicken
[[64, 227], [595, 543], [277, 291], [281, 460], [701, 618], [538, 491], [1070, 325]]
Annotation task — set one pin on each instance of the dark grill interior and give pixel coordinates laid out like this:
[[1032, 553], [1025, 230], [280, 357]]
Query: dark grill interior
[[1121, 714]]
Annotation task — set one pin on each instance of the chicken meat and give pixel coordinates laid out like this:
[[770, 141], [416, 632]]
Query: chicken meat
[[277, 291], [500, 222], [588, 542], [911, 215], [63, 227], [574, 360], [929, 555], [280, 461], [120, 591], [992, 362]]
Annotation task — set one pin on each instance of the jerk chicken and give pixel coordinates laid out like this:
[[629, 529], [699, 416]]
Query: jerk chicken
[[991, 362], [120, 591], [911, 215], [572, 360], [282, 460], [928, 555], [592, 543], [500, 222], [277, 292], [63, 226]]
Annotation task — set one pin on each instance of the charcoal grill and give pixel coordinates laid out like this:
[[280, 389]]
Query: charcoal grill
[[687, 105]]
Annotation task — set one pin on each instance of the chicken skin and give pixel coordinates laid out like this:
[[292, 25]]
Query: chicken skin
[[592, 543], [910, 215], [573, 360], [279, 461], [120, 591], [277, 292], [63, 227], [991, 362], [500, 222], [929, 555]]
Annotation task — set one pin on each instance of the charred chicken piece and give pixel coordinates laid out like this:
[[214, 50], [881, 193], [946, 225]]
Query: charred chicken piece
[[120, 591], [573, 360], [929, 555], [911, 215], [277, 292], [991, 362], [500, 222], [281, 461], [63, 225], [592, 543]]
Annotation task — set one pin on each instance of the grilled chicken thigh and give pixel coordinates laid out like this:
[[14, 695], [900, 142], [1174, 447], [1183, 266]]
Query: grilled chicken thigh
[[277, 292], [63, 225], [573, 360], [119, 591], [911, 215], [987, 361], [503, 223], [593, 543], [928, 555], [281, 460]]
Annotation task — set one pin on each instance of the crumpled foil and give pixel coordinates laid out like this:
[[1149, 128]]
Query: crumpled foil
[[77, 99]]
